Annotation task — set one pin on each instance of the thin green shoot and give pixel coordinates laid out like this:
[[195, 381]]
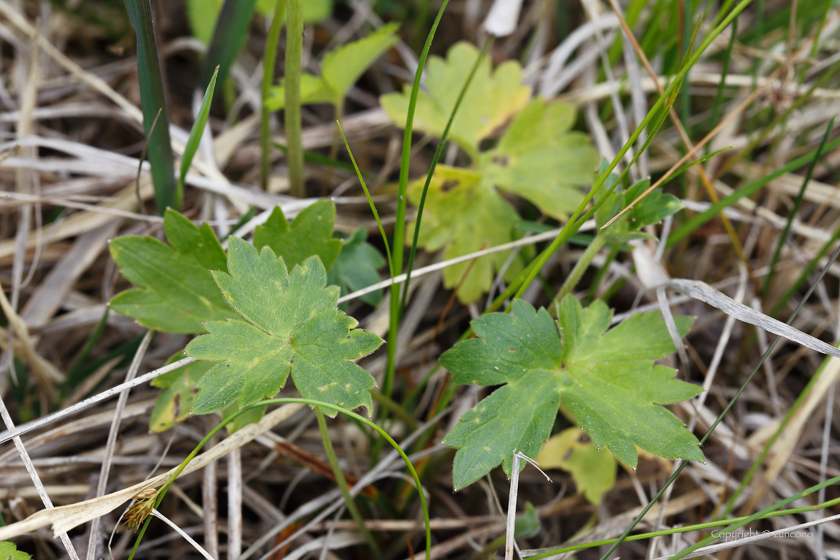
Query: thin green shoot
[[573, 225], [269, 60], [743, 521], [229, 38], [723, 413], [197, 130], [685, 529], [349, 503], [315, 404], [294, 53], [797, 202], [370, 201], [444, 142], [399, 226]]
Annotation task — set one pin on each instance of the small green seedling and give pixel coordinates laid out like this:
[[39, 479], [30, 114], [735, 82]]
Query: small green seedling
[[340, 69], [538, 158], [606, 378]]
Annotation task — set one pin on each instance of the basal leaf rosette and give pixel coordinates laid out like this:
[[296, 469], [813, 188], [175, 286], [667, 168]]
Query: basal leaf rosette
[[291, 324], [606, 377]]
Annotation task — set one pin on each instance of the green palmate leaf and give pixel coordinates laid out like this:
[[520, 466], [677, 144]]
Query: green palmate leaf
[[463, 214], [541, 159], [176, 289], [592, 469], [8, 551], [310, 233], [651, 210], [174, 403], [340, 69], [291, 325], [491, 100], [606, 377], [357, 266]]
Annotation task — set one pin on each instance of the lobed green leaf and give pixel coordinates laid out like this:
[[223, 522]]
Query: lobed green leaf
[[606, 377], [176, 292], [291, 325]]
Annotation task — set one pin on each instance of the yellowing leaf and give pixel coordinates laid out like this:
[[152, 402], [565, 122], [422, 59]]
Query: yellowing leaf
[[541, 159], [291, 325], [176, 289], [340, 69], [463, 215], [592, 469], [174, 403], [310, 233], [606, 377], [492, 99]]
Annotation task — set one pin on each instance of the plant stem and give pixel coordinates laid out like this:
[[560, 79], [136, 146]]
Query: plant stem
[[399, 226], [580, 267], [162, 492], [342, 484], [294, 142], [269, 59]]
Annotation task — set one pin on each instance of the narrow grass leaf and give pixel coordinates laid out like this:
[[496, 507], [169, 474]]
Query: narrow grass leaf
[[196, 132], [797, 202], [229, 38], [152, 100]]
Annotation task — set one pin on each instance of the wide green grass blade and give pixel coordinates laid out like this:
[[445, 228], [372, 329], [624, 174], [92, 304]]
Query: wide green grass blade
[[229, 38], [196, 132], [152, 100]]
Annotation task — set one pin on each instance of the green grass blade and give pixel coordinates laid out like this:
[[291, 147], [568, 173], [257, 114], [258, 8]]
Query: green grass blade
[[399, 227], [152, 100], [488, 43], [574, 224], [294, 50], [738, 524], [196, 132], [747, 190], [684, 529], [724, 72], [269, 60], [797, 202], [725, 411], [229, 37], [370, 200]]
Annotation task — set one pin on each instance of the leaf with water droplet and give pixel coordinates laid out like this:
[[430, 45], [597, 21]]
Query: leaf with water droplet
[[606, 377]]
